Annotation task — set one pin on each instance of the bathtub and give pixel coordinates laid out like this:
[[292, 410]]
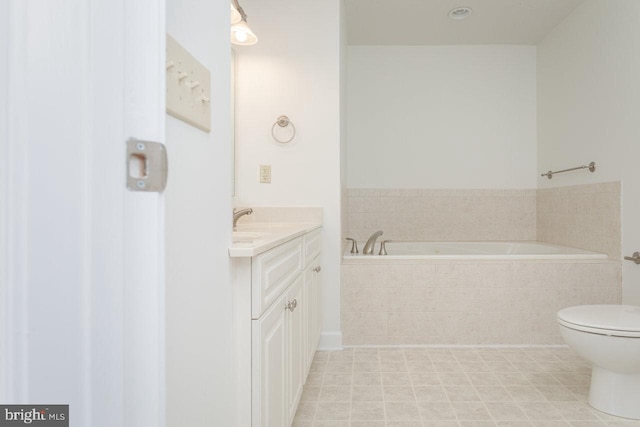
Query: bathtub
[[473, 251], [469, 293]]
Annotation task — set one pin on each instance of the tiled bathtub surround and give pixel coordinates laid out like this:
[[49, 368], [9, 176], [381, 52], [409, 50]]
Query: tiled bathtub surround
[[478, 302], [442, 214], [582, 216], [455, 302]]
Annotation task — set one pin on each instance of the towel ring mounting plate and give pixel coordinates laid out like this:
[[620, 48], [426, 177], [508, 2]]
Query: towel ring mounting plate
[[283, 121]]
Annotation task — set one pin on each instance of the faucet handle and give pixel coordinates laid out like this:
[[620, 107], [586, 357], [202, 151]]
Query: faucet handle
[[354, 245], [383, 247]]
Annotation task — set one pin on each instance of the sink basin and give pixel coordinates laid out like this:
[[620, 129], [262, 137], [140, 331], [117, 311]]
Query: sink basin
[[245, 237]]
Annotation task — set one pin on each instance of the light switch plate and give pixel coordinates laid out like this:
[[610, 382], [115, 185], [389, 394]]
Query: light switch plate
[[188, 87]]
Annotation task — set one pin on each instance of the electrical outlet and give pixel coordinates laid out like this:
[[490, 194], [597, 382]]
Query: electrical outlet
[[265, 174]]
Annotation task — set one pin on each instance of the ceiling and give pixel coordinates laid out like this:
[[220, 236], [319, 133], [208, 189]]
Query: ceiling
[[426, 22]]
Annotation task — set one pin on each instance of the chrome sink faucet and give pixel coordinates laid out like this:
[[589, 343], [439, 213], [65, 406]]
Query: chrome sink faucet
[[238, 214], [368, 247]]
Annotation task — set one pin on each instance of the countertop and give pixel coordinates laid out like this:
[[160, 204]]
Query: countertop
[[255, 238]]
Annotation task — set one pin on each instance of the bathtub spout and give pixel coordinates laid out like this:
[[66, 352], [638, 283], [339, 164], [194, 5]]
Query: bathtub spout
[[368, 247]]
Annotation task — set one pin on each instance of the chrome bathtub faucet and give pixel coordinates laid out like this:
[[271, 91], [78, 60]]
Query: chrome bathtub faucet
[[368, 247]]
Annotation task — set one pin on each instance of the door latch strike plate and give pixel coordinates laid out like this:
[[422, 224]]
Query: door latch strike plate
[[147, 166]]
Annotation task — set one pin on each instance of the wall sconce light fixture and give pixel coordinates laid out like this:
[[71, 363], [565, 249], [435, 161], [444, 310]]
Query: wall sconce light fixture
[[235, 15], [241, 34]]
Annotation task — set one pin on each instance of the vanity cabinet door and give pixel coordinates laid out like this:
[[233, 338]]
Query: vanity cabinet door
[[313, 303], [272, 272], [296, 332], [269, 367]]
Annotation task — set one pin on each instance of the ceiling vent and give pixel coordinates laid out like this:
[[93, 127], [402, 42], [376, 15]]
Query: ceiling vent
[[460, 13]]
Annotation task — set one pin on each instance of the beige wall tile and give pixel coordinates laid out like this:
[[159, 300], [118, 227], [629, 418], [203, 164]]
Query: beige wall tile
[[431, 215], [366, 300], [583, 216], [516, 305], [356, 323]]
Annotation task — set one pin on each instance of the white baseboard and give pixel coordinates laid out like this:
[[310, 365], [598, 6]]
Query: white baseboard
[[330, 341]]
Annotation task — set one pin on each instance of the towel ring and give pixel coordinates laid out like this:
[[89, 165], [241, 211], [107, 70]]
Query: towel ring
[[283, 121]]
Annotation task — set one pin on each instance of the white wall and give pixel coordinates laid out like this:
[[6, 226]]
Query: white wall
[[344, 77], [294, 70], [442, 117], [588, 103], [198, 233], [4, 165]]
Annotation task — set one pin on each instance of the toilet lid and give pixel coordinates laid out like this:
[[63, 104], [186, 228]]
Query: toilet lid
[[616, 320]]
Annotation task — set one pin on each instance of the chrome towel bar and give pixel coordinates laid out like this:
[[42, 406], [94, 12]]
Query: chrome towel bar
[[635, 257], [591, 167]]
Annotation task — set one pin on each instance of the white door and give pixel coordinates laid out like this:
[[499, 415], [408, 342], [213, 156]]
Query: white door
[[81, 257]]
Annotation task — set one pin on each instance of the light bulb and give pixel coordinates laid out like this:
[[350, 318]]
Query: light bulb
[[241, 36]]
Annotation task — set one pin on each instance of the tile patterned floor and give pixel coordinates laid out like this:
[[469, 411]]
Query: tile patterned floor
[[461, 387]]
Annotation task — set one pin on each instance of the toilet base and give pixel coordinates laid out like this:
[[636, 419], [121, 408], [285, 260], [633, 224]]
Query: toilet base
[[615, 393]]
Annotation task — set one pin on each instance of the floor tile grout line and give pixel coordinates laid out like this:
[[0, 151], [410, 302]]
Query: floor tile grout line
[[577, 397], [384, 402], [458, 421], [324, 373], [413, 390], [482, 401], [353, 361]]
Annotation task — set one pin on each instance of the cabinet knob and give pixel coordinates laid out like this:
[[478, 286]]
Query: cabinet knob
[[291, 305], [317, 269]]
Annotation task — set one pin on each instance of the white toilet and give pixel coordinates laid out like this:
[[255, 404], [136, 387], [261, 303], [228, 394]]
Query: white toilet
[[608, 336]]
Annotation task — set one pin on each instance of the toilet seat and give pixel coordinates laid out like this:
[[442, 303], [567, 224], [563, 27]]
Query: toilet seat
[[611, 320]]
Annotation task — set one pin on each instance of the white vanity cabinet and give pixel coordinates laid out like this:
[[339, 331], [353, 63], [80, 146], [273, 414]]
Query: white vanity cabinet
[[277, 314]]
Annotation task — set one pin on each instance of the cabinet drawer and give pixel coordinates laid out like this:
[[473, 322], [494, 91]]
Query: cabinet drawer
[[272, 272], [312, 245]]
